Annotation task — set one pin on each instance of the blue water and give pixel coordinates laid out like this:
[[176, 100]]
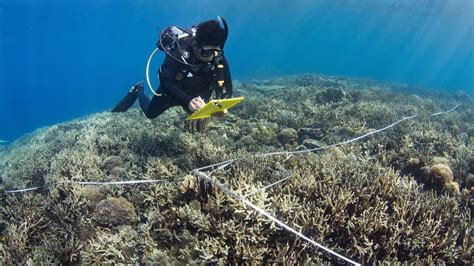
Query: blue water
[[61, 60]]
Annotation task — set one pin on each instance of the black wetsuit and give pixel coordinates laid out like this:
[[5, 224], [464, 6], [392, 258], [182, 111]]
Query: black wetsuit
[[180, 83]]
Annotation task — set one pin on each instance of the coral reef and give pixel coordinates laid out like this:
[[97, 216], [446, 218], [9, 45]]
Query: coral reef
[[402, 196]]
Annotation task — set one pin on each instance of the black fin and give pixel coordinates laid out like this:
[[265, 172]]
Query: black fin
[[126, 102]]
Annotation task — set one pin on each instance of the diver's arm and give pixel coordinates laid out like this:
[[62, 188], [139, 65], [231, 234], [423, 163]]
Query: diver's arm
[[167, 74], [227, 80]]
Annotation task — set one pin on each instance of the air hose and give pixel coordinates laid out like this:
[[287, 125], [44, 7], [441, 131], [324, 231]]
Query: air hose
[[148, 72]]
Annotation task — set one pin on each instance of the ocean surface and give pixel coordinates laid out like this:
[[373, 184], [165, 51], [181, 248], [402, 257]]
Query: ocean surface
[[61, 60]]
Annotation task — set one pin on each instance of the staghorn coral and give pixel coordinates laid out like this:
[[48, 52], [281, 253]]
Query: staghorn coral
[[123, 246], [361, 199], [451, 187], [338, 200]]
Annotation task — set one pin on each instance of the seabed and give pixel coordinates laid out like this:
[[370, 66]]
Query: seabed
[[120, 188]]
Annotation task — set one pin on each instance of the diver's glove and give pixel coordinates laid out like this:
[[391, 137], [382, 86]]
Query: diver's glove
[[196, 104], [137, 87]]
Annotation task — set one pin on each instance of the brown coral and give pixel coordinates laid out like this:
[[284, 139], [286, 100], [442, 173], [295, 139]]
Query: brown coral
[[441, 174], [115, 211], [92, 194], [413, 162], [287, 135], [469, 183], [112, 162]]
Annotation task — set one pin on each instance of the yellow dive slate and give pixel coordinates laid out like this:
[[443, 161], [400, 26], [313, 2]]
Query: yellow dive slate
[[214, 106]]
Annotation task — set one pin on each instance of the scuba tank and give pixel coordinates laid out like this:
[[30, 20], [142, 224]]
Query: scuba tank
[[167, 42], [169, 37]]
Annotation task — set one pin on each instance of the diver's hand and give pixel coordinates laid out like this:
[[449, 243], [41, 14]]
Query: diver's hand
[[196, 104]]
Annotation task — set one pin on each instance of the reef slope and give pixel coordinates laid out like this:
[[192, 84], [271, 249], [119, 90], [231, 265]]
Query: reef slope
[[403, 195]]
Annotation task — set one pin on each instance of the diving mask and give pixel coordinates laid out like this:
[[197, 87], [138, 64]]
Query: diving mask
[[208, 52]]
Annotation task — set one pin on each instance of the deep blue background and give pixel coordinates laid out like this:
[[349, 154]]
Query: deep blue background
[[65, 59]]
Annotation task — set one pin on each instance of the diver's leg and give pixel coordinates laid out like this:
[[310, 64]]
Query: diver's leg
[[127, 101], [143, 100], [156, 106]]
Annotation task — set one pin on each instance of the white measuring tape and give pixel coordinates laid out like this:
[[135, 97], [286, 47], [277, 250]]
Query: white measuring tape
[[92, 183]]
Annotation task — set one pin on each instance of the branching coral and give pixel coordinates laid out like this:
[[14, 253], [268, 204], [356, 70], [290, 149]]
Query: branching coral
[[364, 200]]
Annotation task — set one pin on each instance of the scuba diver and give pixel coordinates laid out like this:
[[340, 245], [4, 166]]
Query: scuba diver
[[194, 70]]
